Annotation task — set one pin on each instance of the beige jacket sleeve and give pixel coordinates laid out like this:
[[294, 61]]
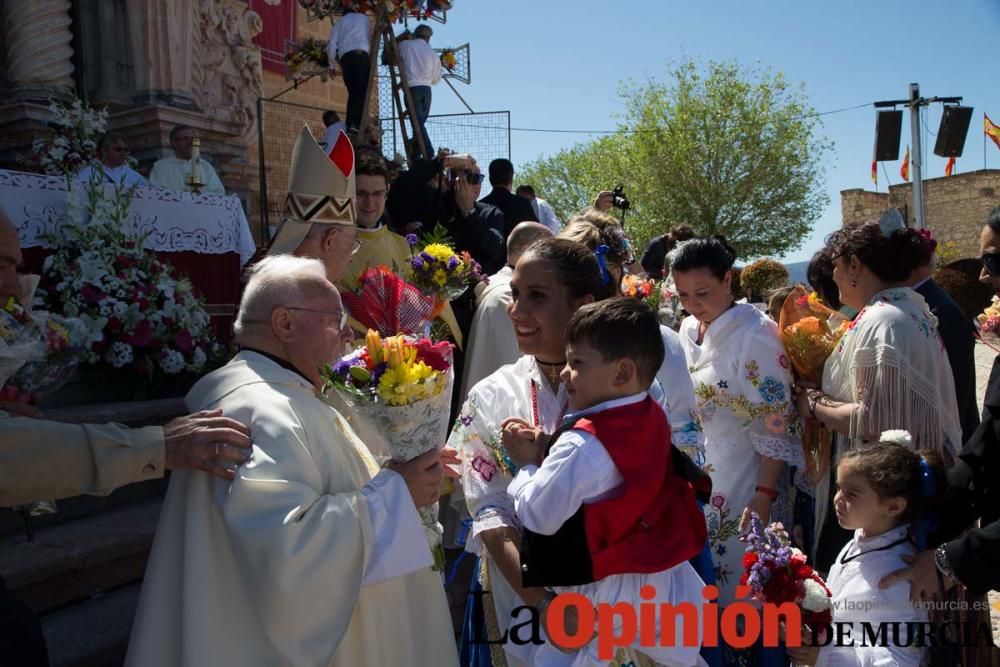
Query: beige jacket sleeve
[[41, 460]]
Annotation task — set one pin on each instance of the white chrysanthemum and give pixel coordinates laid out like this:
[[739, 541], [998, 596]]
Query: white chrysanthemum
[[898, 436], [172, 362], [815, 597], [198, 359], [119, 308], [119, 354]]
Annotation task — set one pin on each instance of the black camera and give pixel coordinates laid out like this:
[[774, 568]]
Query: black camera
[[619, 200]]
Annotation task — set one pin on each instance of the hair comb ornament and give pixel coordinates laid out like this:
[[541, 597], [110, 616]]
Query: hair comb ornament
[[928, 238], [602, 262], [891, 222], [927, 521]]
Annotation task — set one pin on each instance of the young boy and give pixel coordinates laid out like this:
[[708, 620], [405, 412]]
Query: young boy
[[602, 510]]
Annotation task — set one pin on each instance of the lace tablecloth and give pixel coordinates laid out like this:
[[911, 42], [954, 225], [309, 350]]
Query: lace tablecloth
[[173, 221]]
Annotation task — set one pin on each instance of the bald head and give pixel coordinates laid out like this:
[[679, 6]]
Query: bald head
[[522, 236], [10, 259]]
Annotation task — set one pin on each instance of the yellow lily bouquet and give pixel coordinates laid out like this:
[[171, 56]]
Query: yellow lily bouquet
[[396, 393]]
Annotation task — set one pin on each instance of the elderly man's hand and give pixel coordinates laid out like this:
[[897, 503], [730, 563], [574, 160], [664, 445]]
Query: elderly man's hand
[[465, 194], [18, 409], [423, 477], [206, 441]]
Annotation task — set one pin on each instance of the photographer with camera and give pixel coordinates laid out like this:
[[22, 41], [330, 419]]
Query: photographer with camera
[[608, 199]]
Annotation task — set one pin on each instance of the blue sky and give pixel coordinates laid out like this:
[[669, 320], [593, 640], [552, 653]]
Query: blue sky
[[557, 64]]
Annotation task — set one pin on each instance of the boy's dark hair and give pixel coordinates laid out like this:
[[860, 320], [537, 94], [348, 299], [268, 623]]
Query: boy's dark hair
[[330, 117], [620, 328], [894, 472], [527, 189]]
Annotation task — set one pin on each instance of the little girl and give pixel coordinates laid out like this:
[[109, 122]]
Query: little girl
[[881, 489]]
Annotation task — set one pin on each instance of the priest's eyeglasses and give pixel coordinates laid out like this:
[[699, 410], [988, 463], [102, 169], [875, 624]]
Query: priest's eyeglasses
[[342, 314]]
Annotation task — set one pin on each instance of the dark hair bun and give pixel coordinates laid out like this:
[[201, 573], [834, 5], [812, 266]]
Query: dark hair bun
[[713, 253], [891, 258]]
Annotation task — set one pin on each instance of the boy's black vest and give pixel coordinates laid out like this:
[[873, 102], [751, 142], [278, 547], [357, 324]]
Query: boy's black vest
[[652, 525]]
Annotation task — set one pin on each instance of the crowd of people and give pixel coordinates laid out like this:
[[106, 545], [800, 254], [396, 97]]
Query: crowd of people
[[594, 450]]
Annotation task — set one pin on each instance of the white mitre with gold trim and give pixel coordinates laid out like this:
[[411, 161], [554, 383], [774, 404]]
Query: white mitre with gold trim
[[320, 191]]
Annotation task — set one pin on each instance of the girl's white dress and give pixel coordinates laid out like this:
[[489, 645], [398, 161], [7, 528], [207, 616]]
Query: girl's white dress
[[853, 582]]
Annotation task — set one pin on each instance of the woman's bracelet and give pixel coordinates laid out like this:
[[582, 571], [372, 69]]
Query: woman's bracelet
[[767, 491], [813, 400]]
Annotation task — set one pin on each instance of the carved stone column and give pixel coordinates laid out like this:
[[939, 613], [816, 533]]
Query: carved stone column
[[165, 39], [39, 45]]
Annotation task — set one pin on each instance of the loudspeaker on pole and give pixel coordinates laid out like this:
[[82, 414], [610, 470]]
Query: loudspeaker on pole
[[952, 131], [887, 128]]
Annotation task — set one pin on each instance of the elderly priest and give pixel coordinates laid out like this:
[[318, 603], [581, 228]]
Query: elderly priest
[[312, 555]]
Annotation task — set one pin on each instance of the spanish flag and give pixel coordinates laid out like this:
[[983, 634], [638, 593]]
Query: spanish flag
[[904, 169], [950, 167], [874, 172], [991, 130]]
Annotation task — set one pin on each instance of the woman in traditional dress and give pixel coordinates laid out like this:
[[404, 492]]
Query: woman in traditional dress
[[552, 279], [890, 369], [743, 401]]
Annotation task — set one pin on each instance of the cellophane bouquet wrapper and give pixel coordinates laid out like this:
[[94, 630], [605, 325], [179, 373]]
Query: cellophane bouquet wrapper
[[810, 332], [402, 433]]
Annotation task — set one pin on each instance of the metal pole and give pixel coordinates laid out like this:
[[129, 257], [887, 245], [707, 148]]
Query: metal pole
[[918, 183], [265, 227]]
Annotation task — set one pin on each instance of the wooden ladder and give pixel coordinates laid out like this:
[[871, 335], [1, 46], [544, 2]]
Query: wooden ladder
[[383, 34]]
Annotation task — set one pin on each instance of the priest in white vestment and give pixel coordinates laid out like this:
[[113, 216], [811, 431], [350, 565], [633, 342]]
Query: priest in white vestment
[[113, 168], [172, 173], [312, 555], [491, 337]]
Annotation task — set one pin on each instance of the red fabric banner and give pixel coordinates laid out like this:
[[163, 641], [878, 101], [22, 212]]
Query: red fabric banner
[[280, 24]]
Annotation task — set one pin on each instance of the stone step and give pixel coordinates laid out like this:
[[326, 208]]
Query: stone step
[[80, 558], [92, 633]]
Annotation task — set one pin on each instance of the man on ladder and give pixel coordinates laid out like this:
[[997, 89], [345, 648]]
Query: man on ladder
[[349, 45]]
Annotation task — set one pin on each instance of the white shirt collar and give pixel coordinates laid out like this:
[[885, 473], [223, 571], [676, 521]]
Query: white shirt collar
[[917, 286], [863, 543], [608, 405]]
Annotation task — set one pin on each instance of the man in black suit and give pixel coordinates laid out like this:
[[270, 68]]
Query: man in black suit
[[972, 492], [515, 209], [959, 341]]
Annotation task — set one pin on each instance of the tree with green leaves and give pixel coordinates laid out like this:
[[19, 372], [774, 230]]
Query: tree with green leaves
[[726, 149]]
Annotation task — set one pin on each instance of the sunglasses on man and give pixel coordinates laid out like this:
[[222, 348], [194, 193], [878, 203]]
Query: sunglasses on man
[[991, 262], [472, 178]]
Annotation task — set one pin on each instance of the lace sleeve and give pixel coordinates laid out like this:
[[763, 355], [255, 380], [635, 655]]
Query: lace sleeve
[[772, 424], [485, 475]]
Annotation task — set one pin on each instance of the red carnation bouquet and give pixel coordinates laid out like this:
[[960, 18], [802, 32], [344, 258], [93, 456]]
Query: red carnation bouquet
[[385, 303], [777, 572]]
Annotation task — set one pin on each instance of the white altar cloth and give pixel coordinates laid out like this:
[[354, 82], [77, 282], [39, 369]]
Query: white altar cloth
[[172, 221]]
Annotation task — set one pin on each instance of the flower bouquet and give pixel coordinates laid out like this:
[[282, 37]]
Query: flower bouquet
[[308, 57], [440, 272], [72, 144], [810, 331], [396, 393], [449, 60], [384, 302], [987, 325], [153, 329], [777, 572], [636, 287]]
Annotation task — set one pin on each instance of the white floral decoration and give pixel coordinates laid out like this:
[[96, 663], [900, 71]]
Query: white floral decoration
[[897, 436]]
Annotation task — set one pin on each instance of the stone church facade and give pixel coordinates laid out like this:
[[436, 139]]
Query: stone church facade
[[158, 63]]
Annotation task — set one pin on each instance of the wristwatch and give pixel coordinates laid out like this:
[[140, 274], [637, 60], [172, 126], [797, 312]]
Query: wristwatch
[[943, 566]]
